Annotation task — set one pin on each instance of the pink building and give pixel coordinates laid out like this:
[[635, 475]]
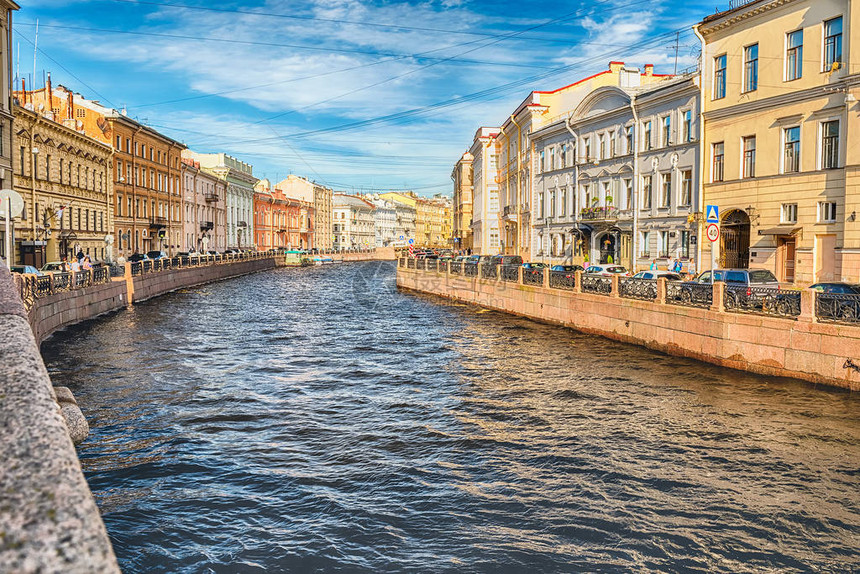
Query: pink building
[[204, 213]]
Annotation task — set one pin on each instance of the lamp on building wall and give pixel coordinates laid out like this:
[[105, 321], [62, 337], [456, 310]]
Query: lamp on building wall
[[752, 212]]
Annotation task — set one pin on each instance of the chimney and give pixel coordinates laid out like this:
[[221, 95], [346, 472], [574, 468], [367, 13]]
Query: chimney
[[649, 69], [50, 98], [71, 105], [615, 67]]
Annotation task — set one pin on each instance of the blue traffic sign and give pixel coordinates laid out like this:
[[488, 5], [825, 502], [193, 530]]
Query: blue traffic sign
[[401, 237], [712, 214], [411, 241]]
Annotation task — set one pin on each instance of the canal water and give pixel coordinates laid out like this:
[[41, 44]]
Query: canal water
[[317, 420]]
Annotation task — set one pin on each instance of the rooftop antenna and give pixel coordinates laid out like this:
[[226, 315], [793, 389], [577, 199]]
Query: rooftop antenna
[[35, 51]]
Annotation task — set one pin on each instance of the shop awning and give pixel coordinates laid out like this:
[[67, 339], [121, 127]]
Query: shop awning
[[780, 230]]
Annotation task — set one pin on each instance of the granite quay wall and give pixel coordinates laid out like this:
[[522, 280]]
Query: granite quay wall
[[799, 334], [49, 521], [378, 254]]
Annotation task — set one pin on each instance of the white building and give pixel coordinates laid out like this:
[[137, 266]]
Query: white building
[[353, 222], [240, 180], [385, 221], [485, 193], [619, 176]]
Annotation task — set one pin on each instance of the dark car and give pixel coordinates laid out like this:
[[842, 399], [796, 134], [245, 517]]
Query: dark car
[[506, 260], [135, 257], [567, 268], [740, 287], [837, 301], [156, 255], [534, 265]]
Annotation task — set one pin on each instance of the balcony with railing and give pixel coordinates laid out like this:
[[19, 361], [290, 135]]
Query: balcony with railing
[[210, 197], [600, 213]]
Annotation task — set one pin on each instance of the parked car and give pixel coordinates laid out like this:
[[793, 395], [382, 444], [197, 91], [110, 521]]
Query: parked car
[[843, 301], [657, 273], [156, 255], [607, 270], [567, 268], [134, 257], [52, 267], [506, 260], [740, 284], [534, 265], [25, 269]]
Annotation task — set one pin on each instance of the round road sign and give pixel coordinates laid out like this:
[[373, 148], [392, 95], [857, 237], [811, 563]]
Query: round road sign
[[713, 232], [17, 203]]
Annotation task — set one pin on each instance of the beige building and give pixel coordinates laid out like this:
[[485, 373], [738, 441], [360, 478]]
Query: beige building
[[461, 232], [321, 197], [204, 216], [781, 82], [485, 192], [64, 178]]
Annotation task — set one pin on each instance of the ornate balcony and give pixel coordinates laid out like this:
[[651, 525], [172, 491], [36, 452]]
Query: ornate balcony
[[602, 213]]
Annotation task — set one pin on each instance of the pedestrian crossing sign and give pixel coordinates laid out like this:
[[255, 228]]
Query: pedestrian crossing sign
[[712, 213]]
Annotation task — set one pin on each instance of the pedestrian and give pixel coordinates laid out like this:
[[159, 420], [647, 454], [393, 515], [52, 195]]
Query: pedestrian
[[76, 266], [120, 260], [691, 269], [80, 255], [87, 264], [679, 266], [653, 264], [64, 265]]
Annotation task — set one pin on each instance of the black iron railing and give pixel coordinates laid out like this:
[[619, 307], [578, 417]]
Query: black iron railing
[[562, 279], [511, 273], [470, 269], [532, 276], [635, 288], [838, 307], [690, 294], [456, 267], [762, 300], [597, 284], [489, 271]]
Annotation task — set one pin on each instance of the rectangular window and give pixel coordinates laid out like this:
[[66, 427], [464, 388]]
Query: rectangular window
[[791, 152], [794, 55], [664, 244], [667, 190], [686, 187], [23, 158], [119, 205], [645, 247], [628, 135], [718, 152], [685, 244], [751, 68], [833, 44], [628, 194], [719, 77], [749, 157], [646, 144], [667, 130], [788, 213], [588, 156], [688, 126], [118, 143], [826, 211], [646, 192], [830, 144], [47, 167]]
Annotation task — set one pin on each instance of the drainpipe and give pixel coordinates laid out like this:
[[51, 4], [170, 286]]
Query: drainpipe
[[575, 177], [635, 240], [701, 185]]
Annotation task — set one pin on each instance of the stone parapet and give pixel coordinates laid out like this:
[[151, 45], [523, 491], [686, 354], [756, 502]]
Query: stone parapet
[[768, 345], [49, 521]]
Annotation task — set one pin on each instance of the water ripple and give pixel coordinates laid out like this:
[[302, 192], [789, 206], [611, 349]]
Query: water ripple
[[318, 420]]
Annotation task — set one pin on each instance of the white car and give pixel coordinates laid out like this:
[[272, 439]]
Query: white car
[[607, 270], [657, 273]]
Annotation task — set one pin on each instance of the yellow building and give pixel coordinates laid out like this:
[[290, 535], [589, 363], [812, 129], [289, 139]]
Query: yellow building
[[461, 233], [780, 117], [64, 177], [432, 225]]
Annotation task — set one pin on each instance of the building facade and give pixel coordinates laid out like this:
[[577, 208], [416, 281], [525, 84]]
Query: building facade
[[204, 214], [781, 82], [385, 222], [281, 222], [321, 199], [6, 105], [239, 179], [146, 168], [462, 176], [354, 226], [485, 192], [64, 178]]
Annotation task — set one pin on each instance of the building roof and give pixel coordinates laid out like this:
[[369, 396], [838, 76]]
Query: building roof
[[353, 201]]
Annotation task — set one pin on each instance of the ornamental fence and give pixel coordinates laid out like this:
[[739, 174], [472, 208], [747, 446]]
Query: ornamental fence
[[770, 301], [32, 287]]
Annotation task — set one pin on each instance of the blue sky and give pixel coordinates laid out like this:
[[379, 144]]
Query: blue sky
[[358, 95]]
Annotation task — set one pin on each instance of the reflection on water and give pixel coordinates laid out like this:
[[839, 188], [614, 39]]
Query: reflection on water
[[318, 420]]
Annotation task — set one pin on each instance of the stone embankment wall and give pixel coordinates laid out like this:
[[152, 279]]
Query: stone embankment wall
[[801, 348], [54, 312], [149, 285], [378, 254], [49, 521]]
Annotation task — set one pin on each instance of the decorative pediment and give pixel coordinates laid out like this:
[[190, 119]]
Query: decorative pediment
[[600, 101]]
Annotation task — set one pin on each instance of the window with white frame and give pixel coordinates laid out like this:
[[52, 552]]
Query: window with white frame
[[646, 141], [628, 137], [718, 161], [686, 187], [748, 157], [645, 244], [646, 191], [628, 194], [826, 211], [664, 244], [830, 144], [607, 193], [791, 149], [788, 213], [666, 126], [688, 126], [833, 44], [667, 190], [719, 77], [751, 68], [601, 142], [563, 207], [588, 156], [794, 55]]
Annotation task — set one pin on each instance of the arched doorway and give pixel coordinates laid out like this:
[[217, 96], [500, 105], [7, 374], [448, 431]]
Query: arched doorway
[[735, 240], [608, 244]]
